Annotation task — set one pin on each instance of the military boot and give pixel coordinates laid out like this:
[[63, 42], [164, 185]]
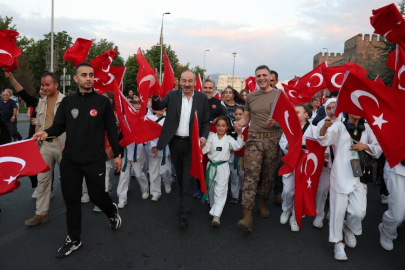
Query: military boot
[[264, 211], [245, 224]]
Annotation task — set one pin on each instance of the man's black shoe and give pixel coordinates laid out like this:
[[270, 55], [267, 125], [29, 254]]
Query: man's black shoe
[[68, 248]]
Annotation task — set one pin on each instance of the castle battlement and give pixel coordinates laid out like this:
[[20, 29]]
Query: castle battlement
[[365, 50]]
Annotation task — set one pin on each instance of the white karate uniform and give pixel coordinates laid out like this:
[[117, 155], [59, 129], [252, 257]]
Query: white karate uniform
[[395, 215], [347, 193], [236, 174], [219, 186], [125, 176], [157, 171]]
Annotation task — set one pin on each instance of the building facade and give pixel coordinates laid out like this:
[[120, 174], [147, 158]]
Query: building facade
[[225, 80]]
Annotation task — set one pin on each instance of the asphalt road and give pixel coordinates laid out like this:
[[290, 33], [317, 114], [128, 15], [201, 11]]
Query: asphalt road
[[150, 238]]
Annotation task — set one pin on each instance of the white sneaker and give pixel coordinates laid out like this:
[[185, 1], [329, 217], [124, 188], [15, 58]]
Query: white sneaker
[[318, 222], [384, 199], [385, 242], [340, 253], [215, 222], [350, 239], [145, 195], [293, 224], [35, 194], [122, 204], [284, 216], [155, 198], [168, 189], [85, 198]]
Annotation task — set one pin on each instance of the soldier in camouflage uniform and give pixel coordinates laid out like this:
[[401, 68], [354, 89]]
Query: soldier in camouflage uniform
[[262, 152]]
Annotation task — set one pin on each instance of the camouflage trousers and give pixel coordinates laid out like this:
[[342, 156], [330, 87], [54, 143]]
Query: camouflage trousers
[[262, 157]]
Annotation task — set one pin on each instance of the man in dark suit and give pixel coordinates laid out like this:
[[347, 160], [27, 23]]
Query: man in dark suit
[[181, 106]]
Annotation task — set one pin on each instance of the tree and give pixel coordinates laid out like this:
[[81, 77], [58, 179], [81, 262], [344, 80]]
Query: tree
[[198, 70], [153, 56]]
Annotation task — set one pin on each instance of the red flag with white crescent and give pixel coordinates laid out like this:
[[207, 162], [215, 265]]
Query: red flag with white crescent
[[9, 52], [382, 107], [307, 176], [250, 84], [19, 159], [334, 75], [284, 113], [198, 85], [388, 22], [134, 125], [78, 52]]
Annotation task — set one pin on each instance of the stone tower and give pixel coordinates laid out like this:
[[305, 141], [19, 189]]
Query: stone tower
[[359, 49]]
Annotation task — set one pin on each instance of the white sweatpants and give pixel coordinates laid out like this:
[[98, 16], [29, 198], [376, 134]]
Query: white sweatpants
[[288, 192], [395, 215], [355, 204], [236, 182], [125, 176], [322, 193], [157, 173], [109, 164], [219, 189]]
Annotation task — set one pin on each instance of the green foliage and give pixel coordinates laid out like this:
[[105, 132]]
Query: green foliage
[[5, 23], [153, 56], [130, 74]]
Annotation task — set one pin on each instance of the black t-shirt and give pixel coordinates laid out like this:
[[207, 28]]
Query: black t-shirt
[[7, 110]]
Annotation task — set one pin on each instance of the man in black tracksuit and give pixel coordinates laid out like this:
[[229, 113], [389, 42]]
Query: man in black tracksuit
[[85, 117]]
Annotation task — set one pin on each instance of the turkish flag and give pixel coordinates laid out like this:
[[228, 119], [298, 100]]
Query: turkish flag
[[388, 22], [196, 169], [8, 49], [78, 52], [146, 73], [19, 159], [198, 85], [250, 84], [102, 74], [115, 74], [334, 75], [168, 77], [307, 175], [396, 61], [11, 66], [147, 82], [307, 86], [382, 107], [135, 126], [218, 96], [286, 116]]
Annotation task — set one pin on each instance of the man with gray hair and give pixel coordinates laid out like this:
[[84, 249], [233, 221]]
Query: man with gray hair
[[9, 111]]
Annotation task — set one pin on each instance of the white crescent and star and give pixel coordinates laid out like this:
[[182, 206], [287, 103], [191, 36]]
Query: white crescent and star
[[291, 95], [149, 78], [109, 65], [359, 93], [311, 156], [112, 77], [286, 116], [379, 121], [14, 160], [333, 80]]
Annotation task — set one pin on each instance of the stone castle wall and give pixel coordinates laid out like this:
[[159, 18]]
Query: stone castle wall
[[362, 50]]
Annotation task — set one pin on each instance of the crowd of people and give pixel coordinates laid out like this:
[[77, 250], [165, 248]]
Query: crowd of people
[[242, 152]]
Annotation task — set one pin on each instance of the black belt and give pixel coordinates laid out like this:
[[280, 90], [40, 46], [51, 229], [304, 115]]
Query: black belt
[[51, 139], [182, 138]]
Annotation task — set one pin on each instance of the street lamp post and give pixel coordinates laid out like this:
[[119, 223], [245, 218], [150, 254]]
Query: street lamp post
[[233, 72], [161, 47], [204, 60], [51, 69]]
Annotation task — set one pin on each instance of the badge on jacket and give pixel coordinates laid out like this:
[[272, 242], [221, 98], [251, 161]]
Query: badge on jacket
[[75, 113]]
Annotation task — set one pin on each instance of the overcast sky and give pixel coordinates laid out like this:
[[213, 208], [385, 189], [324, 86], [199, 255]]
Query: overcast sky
[[285, 35]]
